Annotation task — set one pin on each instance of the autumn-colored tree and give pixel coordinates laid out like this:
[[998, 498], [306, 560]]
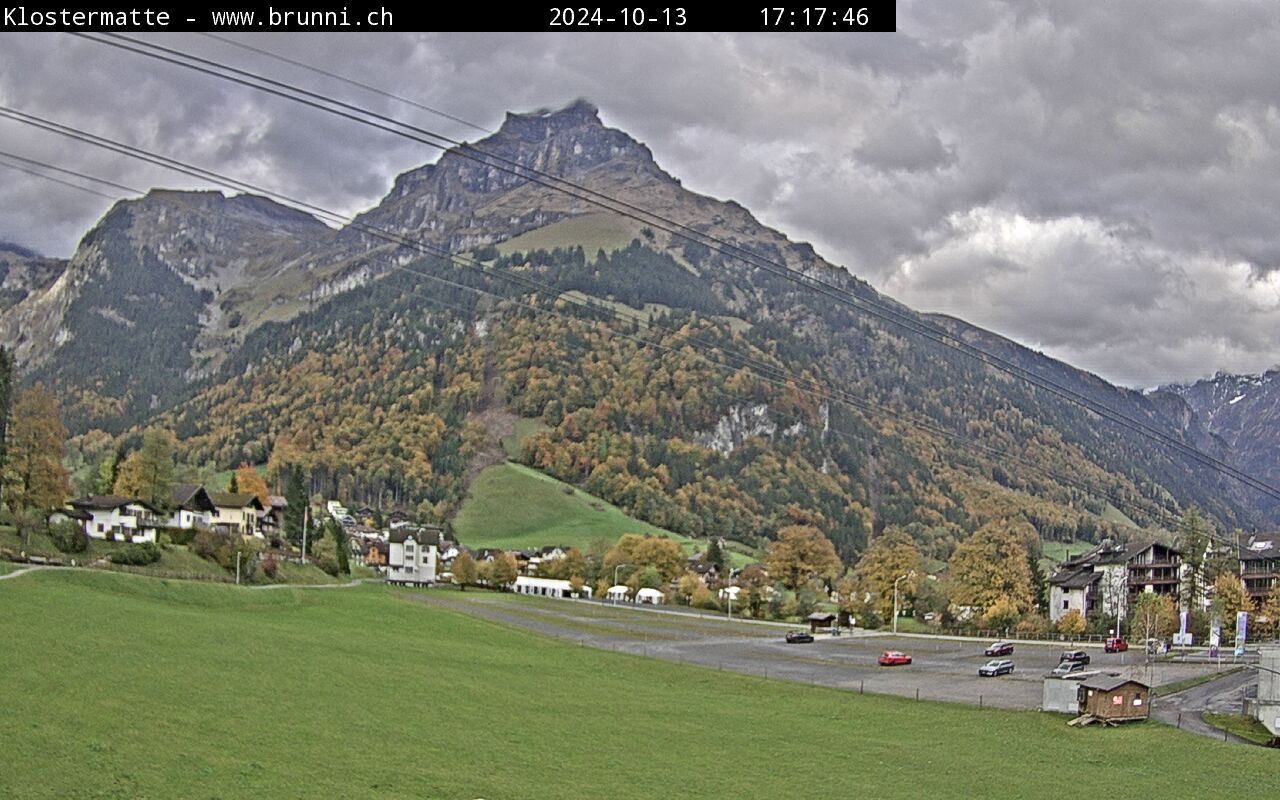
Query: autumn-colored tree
[[1271, 611], [34, 478], [1153, 616], [249, 481], [663, 554], [890, 556], [1231, 597], [801, 553], [1002, 615], [689, 583], [1071, 623], [991, 565], [464, 570], [503, 571], [148, 472], [576, 584]]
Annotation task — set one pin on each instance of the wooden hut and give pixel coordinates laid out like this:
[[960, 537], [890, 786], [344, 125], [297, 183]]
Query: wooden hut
[[1113, 698], [820, 620]]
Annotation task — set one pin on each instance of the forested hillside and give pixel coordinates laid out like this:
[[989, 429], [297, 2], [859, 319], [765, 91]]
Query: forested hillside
[[694, 384]]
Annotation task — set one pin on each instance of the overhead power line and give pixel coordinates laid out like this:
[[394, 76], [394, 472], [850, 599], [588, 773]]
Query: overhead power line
[[767, 372], [884, 311]]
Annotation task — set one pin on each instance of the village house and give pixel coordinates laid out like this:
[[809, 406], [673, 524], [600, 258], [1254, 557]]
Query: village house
[[113, 517], [1104, 580], [377, 556], [412, 556], [192, 507], [236, 512], [1259, 565]]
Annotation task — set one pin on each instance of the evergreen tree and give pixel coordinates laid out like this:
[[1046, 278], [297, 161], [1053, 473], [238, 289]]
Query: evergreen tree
[[716, 555], [148, 473], [1039, 583], [295, 495], [1193, 541]]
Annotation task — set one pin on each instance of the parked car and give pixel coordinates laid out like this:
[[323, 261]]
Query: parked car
[[799, 637], [1116, 644], [893, 658], [1066, 668], [1075, 657], [995, 667], [999, 649]]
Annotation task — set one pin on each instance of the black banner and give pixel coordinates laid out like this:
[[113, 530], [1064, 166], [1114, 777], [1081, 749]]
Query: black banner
[[390, 15]]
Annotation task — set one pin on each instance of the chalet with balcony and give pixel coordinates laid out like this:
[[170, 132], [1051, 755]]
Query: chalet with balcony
[[1105, 580], [192, 507], [117, 518], [1260, 564], [236, 512]]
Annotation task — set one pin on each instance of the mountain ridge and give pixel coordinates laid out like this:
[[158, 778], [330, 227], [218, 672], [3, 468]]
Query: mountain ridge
[[275, 329]]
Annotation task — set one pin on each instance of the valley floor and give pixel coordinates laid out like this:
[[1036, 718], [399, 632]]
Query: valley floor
[[131, 687]]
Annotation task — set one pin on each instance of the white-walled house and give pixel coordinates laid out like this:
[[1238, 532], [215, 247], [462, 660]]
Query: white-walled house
[[546, 587], [236, 512], [193, 507], [1104, 581], [120, 518], [412, 556]]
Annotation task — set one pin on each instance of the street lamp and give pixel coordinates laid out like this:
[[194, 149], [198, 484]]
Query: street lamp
[[615, 575], [896, 581]]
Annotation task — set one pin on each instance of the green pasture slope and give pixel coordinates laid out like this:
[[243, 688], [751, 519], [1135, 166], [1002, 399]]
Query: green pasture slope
[[513, 507], [120, 686]]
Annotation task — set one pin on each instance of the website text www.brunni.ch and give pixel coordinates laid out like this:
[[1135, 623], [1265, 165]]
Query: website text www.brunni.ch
[[16, 17]]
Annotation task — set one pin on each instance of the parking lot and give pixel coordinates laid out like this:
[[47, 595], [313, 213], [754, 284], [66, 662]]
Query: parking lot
[[942, 669]]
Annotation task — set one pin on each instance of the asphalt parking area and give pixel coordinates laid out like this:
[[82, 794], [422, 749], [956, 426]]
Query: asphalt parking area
[[942, 669]]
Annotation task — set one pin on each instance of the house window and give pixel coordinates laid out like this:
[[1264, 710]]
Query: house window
[[101, 527], [1066, 604]]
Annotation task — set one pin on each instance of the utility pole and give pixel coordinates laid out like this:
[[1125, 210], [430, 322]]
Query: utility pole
[[237, 567], [896, 581], [306, 515]]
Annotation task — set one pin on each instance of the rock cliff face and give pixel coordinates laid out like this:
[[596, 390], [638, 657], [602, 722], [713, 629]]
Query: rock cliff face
[[1244, 412]]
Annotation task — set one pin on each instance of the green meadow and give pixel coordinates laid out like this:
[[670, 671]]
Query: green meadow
[[118, 686]]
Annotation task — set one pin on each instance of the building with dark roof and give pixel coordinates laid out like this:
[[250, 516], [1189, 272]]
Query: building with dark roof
[[412, 555], [1105, 580], [192, 507], [1115, 698], [236, 512], [119, 518], [1260, 564]]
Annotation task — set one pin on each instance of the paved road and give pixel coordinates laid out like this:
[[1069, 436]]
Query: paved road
[[943, 669], [1224, 695]]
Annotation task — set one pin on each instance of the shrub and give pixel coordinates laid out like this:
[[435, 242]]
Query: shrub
[[270, 566], [138, 555], [181, 535], [69, 537], [870, 620]]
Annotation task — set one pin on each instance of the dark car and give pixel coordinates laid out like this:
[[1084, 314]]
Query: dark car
[[999, 649], [996, 667], [799, 637], [1075, 657], [1066, 668], [1116, 644]]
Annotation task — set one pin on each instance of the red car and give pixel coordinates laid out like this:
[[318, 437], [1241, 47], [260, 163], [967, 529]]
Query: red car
[[893, 658], [1116, 644]]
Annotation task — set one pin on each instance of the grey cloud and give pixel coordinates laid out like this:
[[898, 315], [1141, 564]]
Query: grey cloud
[[1097, 180]]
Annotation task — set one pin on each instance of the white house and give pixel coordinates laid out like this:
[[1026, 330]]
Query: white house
[[546, 587], [124, 518], [236, 512], [618, 593], [193, 507], [650, 597], [730, 593], [1103, 581], [412, 556]]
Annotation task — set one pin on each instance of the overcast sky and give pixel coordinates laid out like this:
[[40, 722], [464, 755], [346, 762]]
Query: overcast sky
[[1101, 182]]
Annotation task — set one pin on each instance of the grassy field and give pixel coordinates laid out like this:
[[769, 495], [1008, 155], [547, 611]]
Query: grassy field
[[1240, 725], [593, 231], [118, 686], [524, 428], [513, 507], [1058, 552]]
